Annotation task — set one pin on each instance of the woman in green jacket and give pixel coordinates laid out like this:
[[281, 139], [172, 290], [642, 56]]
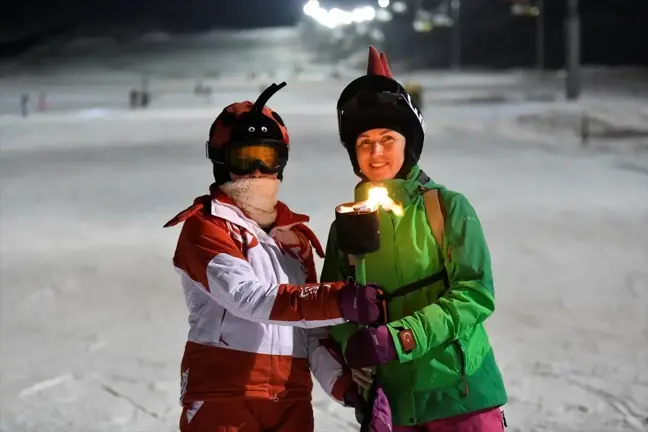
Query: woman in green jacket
[[433, 358]]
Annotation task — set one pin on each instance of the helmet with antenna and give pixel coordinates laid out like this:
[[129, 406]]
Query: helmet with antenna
[[244, 124]]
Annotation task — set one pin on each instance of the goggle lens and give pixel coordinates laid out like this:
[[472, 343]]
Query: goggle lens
[[269, 158]]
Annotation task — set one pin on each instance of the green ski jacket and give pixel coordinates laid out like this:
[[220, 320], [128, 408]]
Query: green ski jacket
[[452, 370]]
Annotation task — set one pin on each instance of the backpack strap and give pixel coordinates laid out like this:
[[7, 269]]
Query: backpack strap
[[415, 286], [435, 214]]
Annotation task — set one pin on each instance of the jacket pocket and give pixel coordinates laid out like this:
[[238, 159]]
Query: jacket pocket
[[476, 347]]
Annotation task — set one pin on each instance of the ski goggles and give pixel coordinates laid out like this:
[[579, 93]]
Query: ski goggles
[[266, 156], [367, 99], [396, 103]]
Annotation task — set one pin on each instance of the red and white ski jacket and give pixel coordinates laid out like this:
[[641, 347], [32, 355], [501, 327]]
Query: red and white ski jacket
[[258, 319]]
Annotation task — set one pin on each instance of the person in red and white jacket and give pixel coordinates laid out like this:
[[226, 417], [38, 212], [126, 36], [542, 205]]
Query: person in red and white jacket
[[258, 318]]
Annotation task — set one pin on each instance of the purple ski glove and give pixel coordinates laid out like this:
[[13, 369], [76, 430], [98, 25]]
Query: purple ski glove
[[370, 347], [381, 417], [359, 303]]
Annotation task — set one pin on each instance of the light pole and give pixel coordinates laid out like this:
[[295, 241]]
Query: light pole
[[455, 12], [572, 41], [540, 36]]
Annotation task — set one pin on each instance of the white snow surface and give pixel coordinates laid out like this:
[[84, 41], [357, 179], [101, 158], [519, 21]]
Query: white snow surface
[[92, 316]]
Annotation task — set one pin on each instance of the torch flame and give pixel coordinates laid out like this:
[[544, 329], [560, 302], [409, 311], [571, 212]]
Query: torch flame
[[378, 196]]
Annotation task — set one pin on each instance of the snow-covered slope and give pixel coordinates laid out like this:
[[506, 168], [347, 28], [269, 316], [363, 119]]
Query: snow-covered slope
[[92, 317]]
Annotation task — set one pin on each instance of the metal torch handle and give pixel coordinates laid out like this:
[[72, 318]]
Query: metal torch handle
[[360, 269], [361, 278]]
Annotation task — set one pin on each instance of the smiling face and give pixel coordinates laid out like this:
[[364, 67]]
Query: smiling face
[[380, 153]]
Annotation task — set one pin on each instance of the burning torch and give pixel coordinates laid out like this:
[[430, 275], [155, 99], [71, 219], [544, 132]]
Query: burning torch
[[358, 230], [358, 227]]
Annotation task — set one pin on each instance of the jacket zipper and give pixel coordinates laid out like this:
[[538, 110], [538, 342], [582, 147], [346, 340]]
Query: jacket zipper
[[220, 329], [404, 312], [462, 359], [395, 249]]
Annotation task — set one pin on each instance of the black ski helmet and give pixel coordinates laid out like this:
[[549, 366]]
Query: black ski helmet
[[374, 101]]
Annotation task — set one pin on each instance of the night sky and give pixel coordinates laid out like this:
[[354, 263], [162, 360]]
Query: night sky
[[614, 31], [178, 14]]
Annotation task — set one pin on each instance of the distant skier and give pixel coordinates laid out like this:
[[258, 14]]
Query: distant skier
[[257, 314], [133, 98], [24, 104]]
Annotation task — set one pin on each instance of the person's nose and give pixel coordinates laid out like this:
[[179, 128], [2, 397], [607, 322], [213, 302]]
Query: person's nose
[[377, 149]]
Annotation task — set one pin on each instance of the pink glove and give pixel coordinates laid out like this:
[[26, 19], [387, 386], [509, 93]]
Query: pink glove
[[381, 418], [370, 347]]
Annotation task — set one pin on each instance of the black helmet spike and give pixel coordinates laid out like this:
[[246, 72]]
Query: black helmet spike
[[265, 96]]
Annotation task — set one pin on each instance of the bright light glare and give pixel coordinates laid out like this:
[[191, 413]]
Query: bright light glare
[[363, 14], [400, 7], [311, 8], [338, 17], [383, 3], [383, 15]]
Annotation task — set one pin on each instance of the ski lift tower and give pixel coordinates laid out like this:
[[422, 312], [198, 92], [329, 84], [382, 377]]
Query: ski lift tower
[[572, 41]]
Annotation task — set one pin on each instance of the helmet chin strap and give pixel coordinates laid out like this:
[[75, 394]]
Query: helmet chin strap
[[408, 163]]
